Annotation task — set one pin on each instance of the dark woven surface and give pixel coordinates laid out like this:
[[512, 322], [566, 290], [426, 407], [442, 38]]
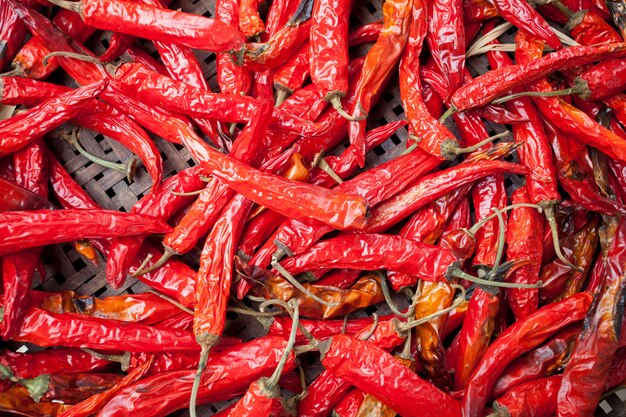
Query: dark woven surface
[[66, 270]]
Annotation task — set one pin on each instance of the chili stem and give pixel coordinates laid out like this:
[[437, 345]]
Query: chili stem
[[501, 238], [206, 342], [170, 300], [282, 93], [406, 326], [578, 89], [321, 163], [481, 223], [392, 305], [335, 100], [123, 359], [409, 149], [74, 55], [276, 265], [563, 9], [272, 381], [372, 329], [36, 387], [266, 303], [185, 194], [15, 72], [451, 147], [142, 270], [127, 168], [458, 273], [549, 212], [448, 113], [74, 6]]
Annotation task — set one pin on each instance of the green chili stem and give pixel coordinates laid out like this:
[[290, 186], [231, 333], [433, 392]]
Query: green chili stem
[[501, 238], [185, 194], [456, 272], [335, 100], [406, 326], [321, 163], [142, 270], [293, 310], [481, 223], [482, 143], [549, 212], [576, 89], [282, 271]]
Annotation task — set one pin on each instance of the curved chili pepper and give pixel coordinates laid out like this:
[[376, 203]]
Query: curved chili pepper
[[32, 229], [379, 62], [599, 339], [174, 279], [349, 404], [446, 39], [231, 78], [51, 361], [250, 23], [164, 393], [157, 24], [517, 339], [431, 133], [522, 15], [535, 398], [328, 49], [524, 242], [543, 361], [492, 84], [431, 187], [22, 129], [376, 372], [588, 28]]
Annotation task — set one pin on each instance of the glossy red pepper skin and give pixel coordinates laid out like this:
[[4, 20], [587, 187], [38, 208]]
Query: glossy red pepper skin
[[599, 339], [161, 25], [532, 399], [605, 79], [376, 372], [516, 340], [32, 229], [52, 361], [525, 17], [524, 241], [174, 279], [588, 28], [423, 124], [431, 187], [258, 402], [373, 251], [543, 361], [12, 33], [486, 87], [446, 39], [349, 405], [477, 11], [231, 78], [379, 62], [250, 23], [22, 129], [167, 392], [161, 204]]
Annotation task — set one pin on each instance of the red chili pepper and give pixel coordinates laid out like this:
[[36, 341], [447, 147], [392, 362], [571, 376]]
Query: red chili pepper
[[517, 339], [279, 14], [431, 133], [349, 404], [492, 84], [543, 361], [524, 241], [328, 49], [143, 58], [161, 205], [52, 361], [164, 393], [431, 187], [599, 339], [18, 400], [535, 398], [231, 78], [157, 24], [376, 372], [522, 15], [20, 130], [250, 23], [588, 28], [446, 39], [12, 33], [174, 279], [478, 11]]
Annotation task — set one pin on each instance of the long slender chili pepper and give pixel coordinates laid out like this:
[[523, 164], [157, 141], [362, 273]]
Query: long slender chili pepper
[[431, 187], [51, 361], [535, 398], [22, 129], [517, 339], [174, 279], [524, 242], [486, 87], [446, 39], [162, 205], [157, 24], [12, 33], [599, 339], [32, 229], [543, 361], [425, 126], [522, 15], [231, 78], [378, 65], [164, 393], [376, 372], [329, 49]]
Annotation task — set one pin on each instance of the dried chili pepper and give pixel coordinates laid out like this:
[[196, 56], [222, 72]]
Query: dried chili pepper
[[231, 78], [535, 398], [522, 15], [478, 11], [17, 400], [379, 62], [22, 129], [599, 339], [545, 360], [376, 372], [349, 404], [167, 392], [157, 24], [12, 33], [51, 361], [517, 339], [250, 23]]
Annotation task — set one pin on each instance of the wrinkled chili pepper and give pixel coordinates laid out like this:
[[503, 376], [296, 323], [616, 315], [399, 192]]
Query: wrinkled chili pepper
[[250, 23], [522, 15], [349, 404], [231, 78], [12, 33], [517, 339], [535, 398], [478, 11], [543, 361], [22, 129], [599, 339], [17, 400], [52, 361], [157, 24], [524, 242], [379, 62], [376, 372], [164, 393]]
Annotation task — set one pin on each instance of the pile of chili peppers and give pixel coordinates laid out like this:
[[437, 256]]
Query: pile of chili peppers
[[496, 240]]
